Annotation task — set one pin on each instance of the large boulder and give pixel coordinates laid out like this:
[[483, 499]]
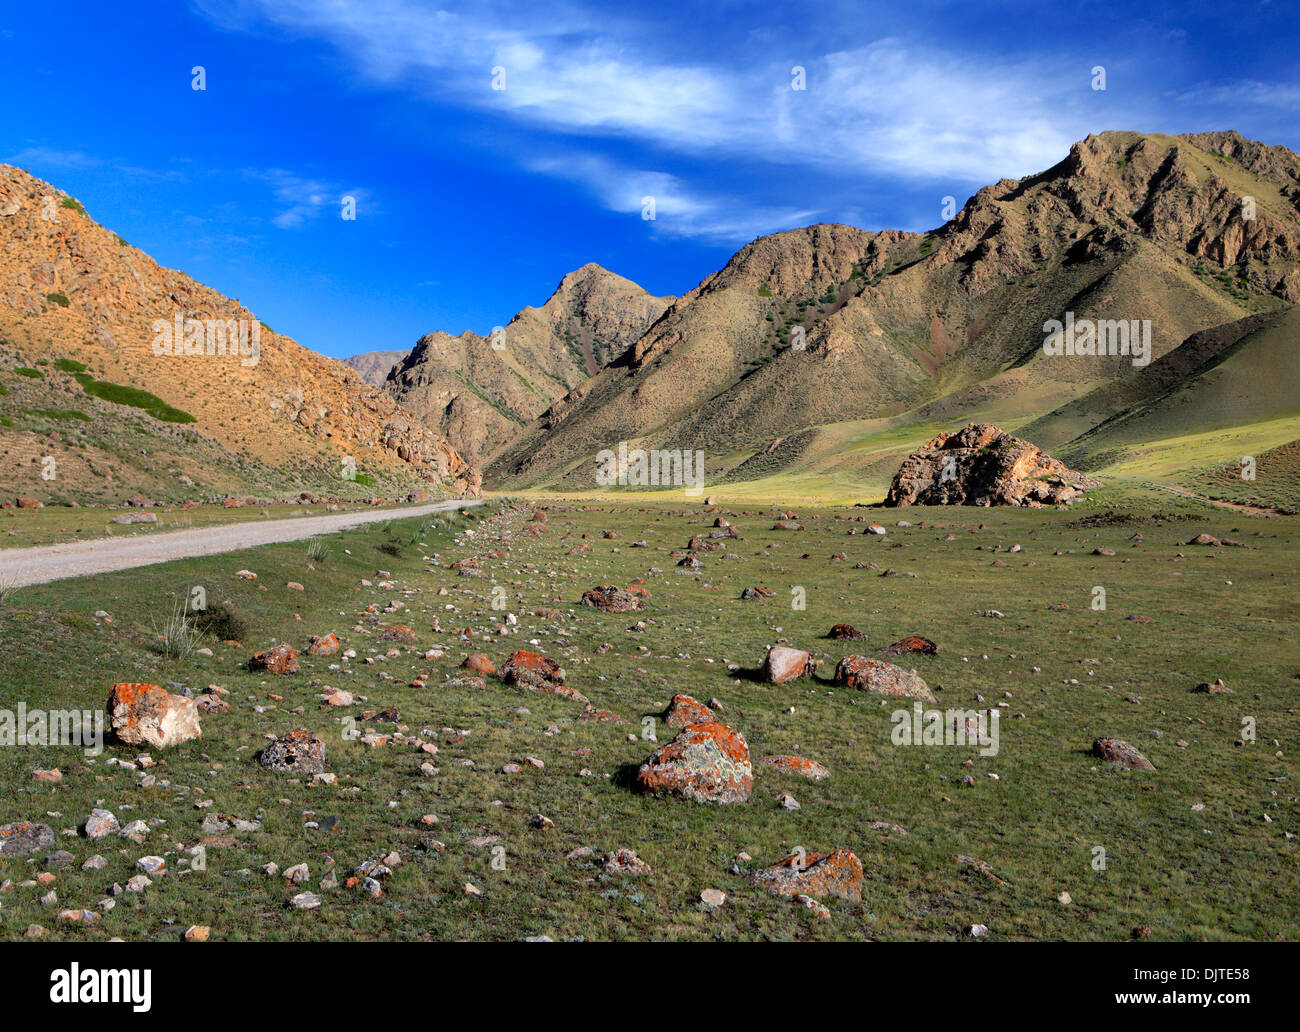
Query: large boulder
[[783, 664], [881, 678], [1121, 754], [815, 874], [612, 600], [981, 465], [522, 663], [282, 659], [148, 714], [707, 762]]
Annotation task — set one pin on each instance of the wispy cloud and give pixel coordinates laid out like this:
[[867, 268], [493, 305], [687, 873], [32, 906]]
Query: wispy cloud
[[894, 107], [51, 158], [301, 199]]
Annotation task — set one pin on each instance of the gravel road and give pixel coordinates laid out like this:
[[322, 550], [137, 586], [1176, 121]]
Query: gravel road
[[22, 566]]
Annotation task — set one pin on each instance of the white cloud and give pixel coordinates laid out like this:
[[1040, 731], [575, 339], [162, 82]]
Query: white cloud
[[302, 199], [893, 107]]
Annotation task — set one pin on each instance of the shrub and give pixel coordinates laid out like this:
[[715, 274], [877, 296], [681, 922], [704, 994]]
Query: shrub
[[223, 623], [73, 204], [69, 365], [59, 299]]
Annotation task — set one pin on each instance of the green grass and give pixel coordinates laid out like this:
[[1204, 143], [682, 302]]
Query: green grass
[[1220, 872], [69, 365], [58, 299], [120, 394], [30, 373], [73, 204]]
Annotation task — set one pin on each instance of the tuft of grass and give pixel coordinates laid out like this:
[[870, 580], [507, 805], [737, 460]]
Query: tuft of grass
[[69, 365], [72, 204], [58, 298], [30, 373], [178, 635], [59, 414], [317, 551]]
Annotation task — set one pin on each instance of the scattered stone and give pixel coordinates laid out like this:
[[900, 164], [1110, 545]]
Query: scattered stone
[[298, 752], [1120, 753], [798, 766], [23, 838], [610, 599]]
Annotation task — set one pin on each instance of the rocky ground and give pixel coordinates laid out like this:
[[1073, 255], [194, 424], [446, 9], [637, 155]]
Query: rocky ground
[[671, 721]]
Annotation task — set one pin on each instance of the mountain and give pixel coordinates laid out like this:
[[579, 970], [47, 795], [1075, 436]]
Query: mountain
[[480, 391], [907, 333], [98, 371], [374, 366]]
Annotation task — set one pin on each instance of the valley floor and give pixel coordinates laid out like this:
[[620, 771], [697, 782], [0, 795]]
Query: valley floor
[[1202, 847]]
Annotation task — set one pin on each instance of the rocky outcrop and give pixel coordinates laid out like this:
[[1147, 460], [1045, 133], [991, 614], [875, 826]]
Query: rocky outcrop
[[148, 714], [817, 875], [881, 678], [982, 465]]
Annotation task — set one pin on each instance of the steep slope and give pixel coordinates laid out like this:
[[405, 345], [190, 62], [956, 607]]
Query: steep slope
[[374, 366], [72, 291], [480, 391], [929, 329]]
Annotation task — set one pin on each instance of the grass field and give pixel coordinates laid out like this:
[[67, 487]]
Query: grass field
[[1197, 849]]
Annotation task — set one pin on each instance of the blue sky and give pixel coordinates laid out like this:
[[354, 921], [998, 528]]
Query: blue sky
[[472, 202]]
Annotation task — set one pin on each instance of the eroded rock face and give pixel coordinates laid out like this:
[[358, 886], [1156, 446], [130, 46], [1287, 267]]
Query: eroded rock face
[[981, 465], [148, 714], [612, 599], [298, 752], [817, 875], [707, 762], [1120, 753], [683, 710], [783, 664], [881, 678]]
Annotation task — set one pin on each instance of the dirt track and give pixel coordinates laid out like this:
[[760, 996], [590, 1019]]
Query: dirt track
[[22, 566]]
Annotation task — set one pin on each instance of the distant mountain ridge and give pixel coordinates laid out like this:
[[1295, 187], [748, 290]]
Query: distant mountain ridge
[[813, 338], [479, 391]]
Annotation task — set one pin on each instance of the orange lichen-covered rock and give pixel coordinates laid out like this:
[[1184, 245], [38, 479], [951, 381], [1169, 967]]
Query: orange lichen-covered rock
[[815, 874], [783, 664], [298, 752], [707, 762], [283, 659], [148, 714], [400, 633], [479, 664], [845, 632], [911, 645], [612, 600], [23, 838], [323, 645], [881, 678], [797, 765], [683, 710], [600, 716], [1120, 753], [532, 662]]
